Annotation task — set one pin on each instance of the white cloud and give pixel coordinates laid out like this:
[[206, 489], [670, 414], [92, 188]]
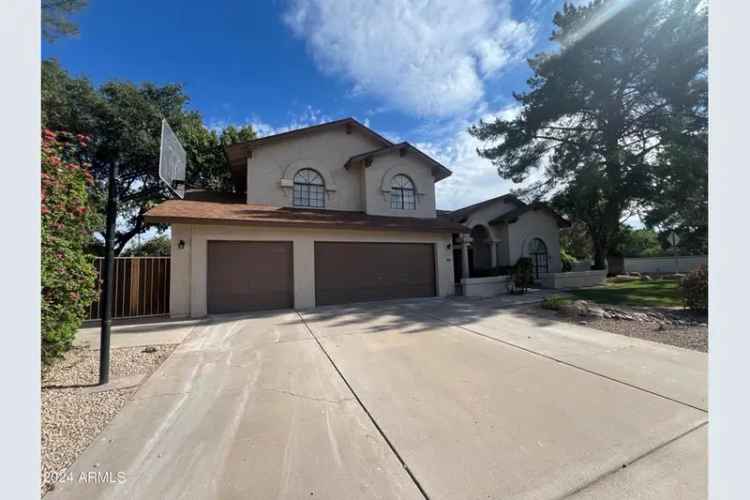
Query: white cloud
[[424, 57], [474, 178], [309, 116]]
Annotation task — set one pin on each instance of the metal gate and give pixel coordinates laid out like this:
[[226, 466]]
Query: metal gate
[[539, 257], [140, 287]]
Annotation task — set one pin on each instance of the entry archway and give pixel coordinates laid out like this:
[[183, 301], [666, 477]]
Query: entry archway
[[537, 250]]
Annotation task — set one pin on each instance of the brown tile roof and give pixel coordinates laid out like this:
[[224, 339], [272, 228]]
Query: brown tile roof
[[235, 212]]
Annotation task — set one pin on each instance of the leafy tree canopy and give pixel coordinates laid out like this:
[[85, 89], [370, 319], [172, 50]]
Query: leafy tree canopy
[[642, 242], [158, 246], [56, 18], [627, 83], [575, 241], [123, 120]]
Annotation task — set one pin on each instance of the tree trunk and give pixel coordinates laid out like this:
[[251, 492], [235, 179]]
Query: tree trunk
[[600, 245]]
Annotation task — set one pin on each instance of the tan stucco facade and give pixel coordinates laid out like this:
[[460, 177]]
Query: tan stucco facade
[[511, 240], [272, 167], [188, 292], [377, 185], [535, 224]]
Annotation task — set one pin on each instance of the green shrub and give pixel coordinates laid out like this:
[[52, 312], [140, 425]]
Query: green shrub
[[68, 275], [553, 302], [694, 289], [522, 276], [567, 261]]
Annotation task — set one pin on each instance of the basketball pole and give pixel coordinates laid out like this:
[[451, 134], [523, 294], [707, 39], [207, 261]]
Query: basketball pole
[[109, 237], [109, 259]]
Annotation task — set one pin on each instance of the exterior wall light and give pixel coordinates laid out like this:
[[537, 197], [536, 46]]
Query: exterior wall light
[[181, 244]]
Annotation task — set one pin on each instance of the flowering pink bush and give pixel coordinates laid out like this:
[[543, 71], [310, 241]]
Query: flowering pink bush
[[68, 275]]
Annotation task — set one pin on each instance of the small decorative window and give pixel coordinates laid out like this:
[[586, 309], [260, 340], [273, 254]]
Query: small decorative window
[[403, 193], [309, 189]]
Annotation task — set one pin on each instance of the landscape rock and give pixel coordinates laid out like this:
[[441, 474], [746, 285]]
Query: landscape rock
[[577, 308], [595, 311]]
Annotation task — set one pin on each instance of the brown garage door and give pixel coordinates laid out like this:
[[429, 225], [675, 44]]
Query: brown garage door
[[249, 276], [359, 272]]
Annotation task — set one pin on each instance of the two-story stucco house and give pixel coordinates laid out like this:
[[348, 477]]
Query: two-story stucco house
[[328, 214]]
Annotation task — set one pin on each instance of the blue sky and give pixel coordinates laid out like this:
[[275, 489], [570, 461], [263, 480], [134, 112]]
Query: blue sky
[[421, 71]]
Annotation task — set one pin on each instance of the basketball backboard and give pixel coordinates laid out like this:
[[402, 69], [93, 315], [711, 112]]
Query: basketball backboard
[[172, 159]]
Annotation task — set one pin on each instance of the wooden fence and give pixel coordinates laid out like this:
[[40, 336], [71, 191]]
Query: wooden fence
[[140, 288]]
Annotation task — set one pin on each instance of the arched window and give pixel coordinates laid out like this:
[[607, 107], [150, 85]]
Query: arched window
[[539, 257], [403, 193], [309, 189]]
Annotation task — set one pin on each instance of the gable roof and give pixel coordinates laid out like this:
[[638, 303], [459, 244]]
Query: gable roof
[[239, 152], [513, 215], [463, 213], [439, 170]]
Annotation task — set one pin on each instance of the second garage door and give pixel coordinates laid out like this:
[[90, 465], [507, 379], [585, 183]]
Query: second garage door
[[249, 276], [359, 272]]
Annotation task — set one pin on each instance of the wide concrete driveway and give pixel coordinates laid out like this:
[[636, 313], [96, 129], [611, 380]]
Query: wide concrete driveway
[[439, 399]]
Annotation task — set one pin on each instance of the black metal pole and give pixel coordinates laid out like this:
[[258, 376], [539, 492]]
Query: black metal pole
[[109, 260]]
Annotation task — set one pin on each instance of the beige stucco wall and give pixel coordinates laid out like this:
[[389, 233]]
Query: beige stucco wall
[[513, 239], [535, 224], [485, 287], [188, 278], [573, 279], [271, 170], [498, 233], [325, 151], [377, 185], [681, 264]]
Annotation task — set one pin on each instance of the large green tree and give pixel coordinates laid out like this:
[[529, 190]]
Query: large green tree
[[56, 18], [602, 109], [158, 246], [642, 242], [123, 120]]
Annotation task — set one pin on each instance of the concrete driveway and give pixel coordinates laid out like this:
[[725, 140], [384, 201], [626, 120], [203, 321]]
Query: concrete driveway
[[439, 399]]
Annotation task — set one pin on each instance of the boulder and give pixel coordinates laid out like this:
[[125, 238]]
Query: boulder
[[596, 312], [573, 309]]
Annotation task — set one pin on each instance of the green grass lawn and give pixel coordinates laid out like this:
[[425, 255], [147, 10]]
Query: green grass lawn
[[657, 293]]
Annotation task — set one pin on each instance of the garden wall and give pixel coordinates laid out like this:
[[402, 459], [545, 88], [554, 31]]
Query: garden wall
[[573, 279], [684, 264], [484, 287]]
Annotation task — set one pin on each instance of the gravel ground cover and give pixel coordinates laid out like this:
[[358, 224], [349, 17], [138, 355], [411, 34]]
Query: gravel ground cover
[[685, 336], [72, 414], [683, 329]]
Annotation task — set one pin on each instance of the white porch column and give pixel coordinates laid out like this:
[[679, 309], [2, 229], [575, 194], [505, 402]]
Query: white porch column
[[493, 253], [465, 256]]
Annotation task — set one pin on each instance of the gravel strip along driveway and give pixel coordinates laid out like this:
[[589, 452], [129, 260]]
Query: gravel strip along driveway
[[687, 336], [72, 414]]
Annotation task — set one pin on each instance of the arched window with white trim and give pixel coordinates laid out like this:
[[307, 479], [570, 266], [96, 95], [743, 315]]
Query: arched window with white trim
[[309, 189], [403, 194]]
